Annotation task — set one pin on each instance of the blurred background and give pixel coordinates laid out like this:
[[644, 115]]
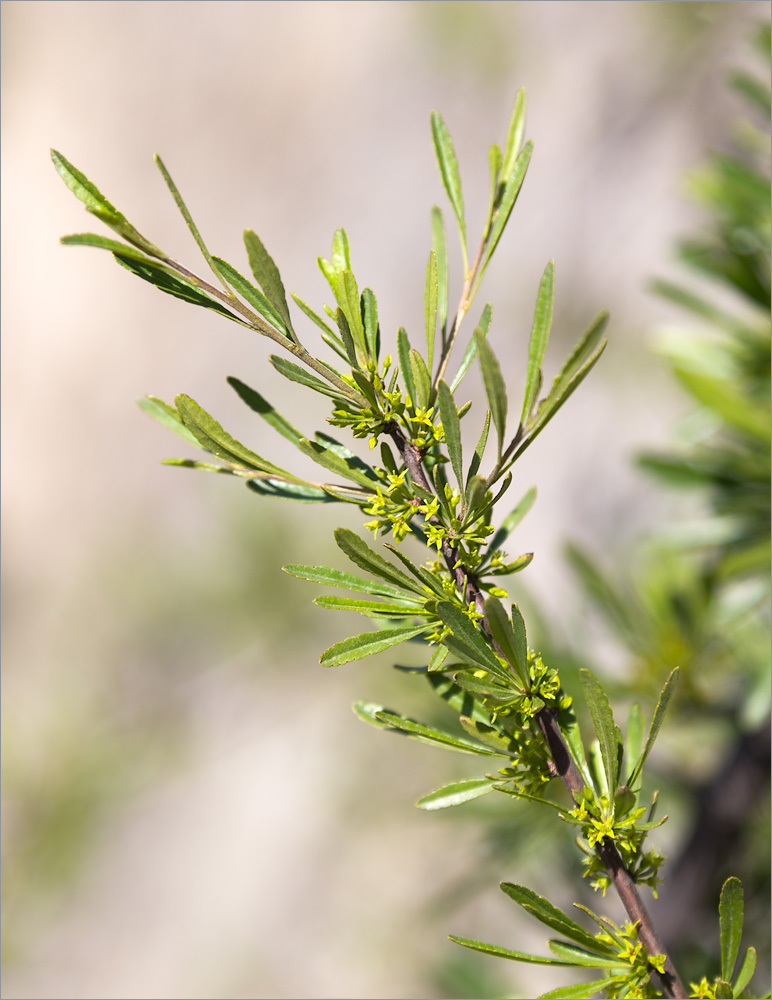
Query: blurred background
[[190, 808]]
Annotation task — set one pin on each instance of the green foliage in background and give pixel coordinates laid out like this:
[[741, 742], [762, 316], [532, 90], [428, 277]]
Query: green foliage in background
[[420, 487]]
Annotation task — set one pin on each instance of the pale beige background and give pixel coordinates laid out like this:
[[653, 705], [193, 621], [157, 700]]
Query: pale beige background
[[190, 807]]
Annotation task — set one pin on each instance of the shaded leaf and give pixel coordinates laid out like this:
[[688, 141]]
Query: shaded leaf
[[503, 634], [508, 198], [455, 793], [470, 354], [297, 374], [260, 405], [422, 380], [470, 636], [403, 352], [428, 734], [512, 520], [253, 296], [166, 281], [299, 492], [657, 719], [745, 974], [186, 214], [328, 458], [553, 917]]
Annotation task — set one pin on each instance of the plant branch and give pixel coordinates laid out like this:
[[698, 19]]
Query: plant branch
[[563, 763]]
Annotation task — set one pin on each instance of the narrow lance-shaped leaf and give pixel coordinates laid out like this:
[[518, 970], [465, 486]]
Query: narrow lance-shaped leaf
[[507, 203], [373, 609], [178, 200], [356, 647], [730, 914], [512, 520], [479, 451], [403, 352], [363, 556], [441, 255], [456, 793], [495, 387], [470, 354], [211, 436], [422, 380], [603, 721], [552, 917], [250, 294], [657, 719], [452, 428], [430, 307], [429, 734], [504, 636], [348, 581], [267, 275], [98, 205], [514, 136], [260, 405], [300, 493], [633, 741], [465, 630], [166, 281], [369, 310], [446, 157], [515, 956], [579, 991], [329, 459], [540, 331], [168, 416], [297, 374], [582, 957], [745, 974]]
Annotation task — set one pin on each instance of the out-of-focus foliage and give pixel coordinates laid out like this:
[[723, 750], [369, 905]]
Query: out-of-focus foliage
[[697, 595]]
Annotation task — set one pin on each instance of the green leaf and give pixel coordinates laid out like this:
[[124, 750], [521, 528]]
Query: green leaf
[[441, 254], [633, 741], [723, 990], [269, 487], [422, 575], [455, 793], [515, 956], [314, 316], [495, 388], [452, 428], [186, 214], [503, 634], [730, 915], [422, 380], [580, 956], [470, 354], [470, 636], [369, 310], [267, 276], [211, 436], [726, 399], [507, 202], [657, 719], [514, 136], [260, 405], [403, 352], [437, 736], [328, 458], [297, 374], [253, 296], [745, 974], [352, 311], [479, 451], [167, 415], [540, 331], [580, 990], [367, 712], [512, 520], [98, 205], [578, 366], [166, 281], [356, 647], [446, 157], [374, 609], [603, 721], [492, 737], [363, 556], [348, 581], [552, 917], [114, 246], [430, 306], [341, 252], [458, 699]]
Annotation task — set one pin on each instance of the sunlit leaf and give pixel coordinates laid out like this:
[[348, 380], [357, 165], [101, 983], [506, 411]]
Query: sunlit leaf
[[356, 647], [540, 331], [455, 793]]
